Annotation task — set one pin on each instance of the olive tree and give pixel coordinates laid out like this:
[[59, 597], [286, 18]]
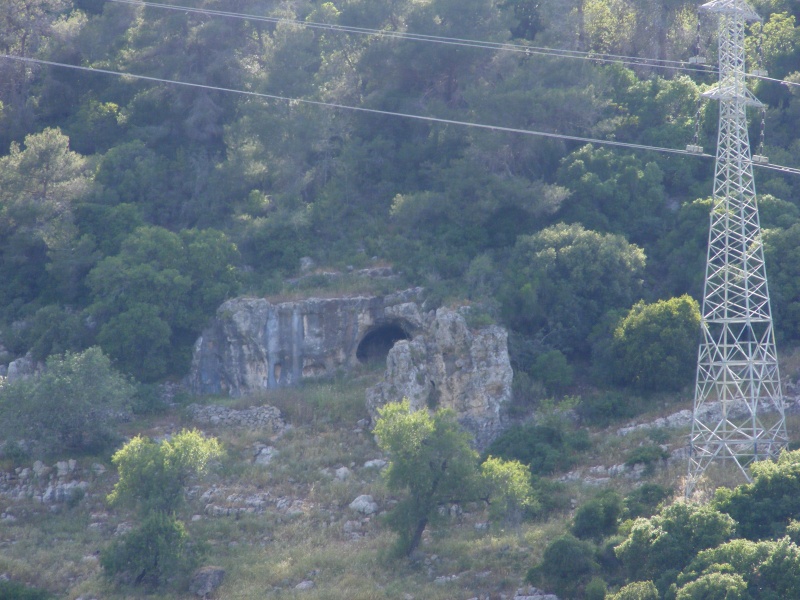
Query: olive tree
[[71, 405], [152, 480]]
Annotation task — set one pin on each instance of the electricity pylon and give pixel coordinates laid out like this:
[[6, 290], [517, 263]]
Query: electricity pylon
[[737, 365]]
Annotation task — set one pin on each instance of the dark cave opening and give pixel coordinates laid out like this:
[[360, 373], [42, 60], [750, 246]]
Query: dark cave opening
[[376, 343]]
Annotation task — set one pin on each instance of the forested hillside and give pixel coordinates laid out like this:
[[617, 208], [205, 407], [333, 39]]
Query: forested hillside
[[510, 155], [129, 208]]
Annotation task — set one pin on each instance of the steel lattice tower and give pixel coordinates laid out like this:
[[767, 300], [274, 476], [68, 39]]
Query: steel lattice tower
[[737, 363]]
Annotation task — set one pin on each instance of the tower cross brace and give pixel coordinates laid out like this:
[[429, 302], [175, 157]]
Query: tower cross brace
[[738, 412]]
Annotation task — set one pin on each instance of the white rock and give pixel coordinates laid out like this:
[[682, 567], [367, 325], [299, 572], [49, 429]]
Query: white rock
[[265, 455], [377, 463], [304, 585], [343, 473], [364, 504]]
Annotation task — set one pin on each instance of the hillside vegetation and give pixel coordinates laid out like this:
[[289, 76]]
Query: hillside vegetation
[[131, 207]]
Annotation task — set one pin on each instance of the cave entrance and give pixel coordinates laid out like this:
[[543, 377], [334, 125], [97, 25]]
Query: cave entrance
[[377, 342]]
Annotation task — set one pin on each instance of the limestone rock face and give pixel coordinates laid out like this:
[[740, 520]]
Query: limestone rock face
[[434, 359], [449, 365], [253, 344], [206, 580]]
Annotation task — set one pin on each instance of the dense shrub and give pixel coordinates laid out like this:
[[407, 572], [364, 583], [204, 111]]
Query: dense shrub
[[643, 501], [767, 570], [567, 565], [764, 507], [648, 456], [71, 405], [654, 346], [544, 448], [13, 590], [562, 280], [604, 407], [658, 548], [151, 553], [553, 370], [598, 517], [638, 590]]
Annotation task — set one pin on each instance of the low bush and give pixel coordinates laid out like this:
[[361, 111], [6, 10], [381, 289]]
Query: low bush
[[545, 449], [645, 500], [598, 517], [567, 566], [150, 554], [603, 408], [13, 590], [648, 456]]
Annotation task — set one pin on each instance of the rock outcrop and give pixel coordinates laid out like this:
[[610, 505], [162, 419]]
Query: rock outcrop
[[434, 359], [254, 344], [449, 365]]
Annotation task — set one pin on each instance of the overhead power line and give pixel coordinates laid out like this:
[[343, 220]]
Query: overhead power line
[[362, 109], [418, 37], [675, 65]]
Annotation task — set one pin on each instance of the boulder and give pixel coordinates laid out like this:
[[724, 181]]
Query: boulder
[[206, 580], [449, 365], [21, 369], [364, 504]]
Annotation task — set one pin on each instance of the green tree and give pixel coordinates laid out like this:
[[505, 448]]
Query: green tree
[[567, 565], [764, 507], [509, 490], [766, 569], [658, 548], [430, 461], [611, 193], [38, 186], [562, 280], [153, 475], [654, 347], [152, 480], [153, 297], [72, 404], [638, 590], [782, 256], [598, 517]]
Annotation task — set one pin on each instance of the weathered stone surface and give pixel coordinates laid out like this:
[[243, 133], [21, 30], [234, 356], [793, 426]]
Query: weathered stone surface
[[206, 580], [449, 365], [254, 344], [364, 504], [21, 369]]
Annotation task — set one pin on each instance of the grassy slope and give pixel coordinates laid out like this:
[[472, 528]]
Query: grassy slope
[[268, 554]]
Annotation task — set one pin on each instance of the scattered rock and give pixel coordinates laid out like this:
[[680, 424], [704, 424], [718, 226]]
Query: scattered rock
[[343, 473], [305, 585], [377, 463], [364, 504], [206, 580], [265, 455], [532, 593]]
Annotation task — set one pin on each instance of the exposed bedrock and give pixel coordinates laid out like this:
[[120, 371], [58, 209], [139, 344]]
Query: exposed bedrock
[[434, 359], [253, 344], [449, 365]]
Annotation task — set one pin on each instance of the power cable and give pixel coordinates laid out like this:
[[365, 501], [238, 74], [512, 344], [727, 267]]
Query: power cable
[[358, 108], [503, 46]]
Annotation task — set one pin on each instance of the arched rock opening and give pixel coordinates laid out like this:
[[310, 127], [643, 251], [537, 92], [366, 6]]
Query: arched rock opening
[[377, 342]]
